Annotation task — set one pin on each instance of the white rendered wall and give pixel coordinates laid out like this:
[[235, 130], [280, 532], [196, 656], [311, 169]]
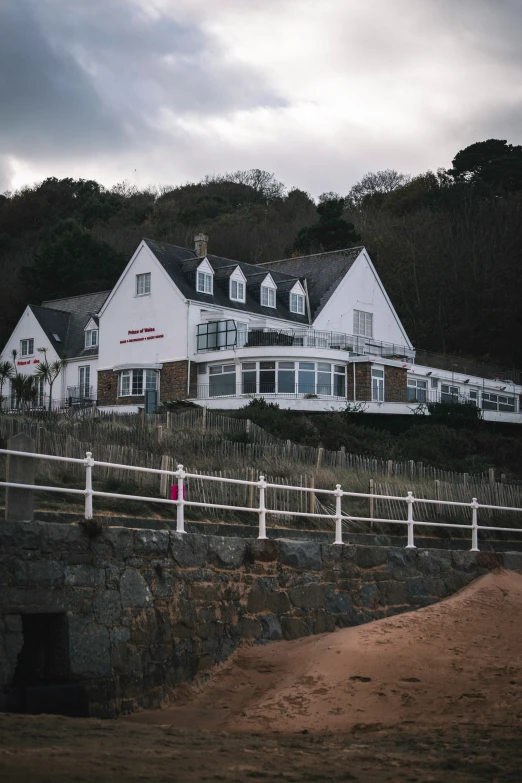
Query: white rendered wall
[[361, 290], [149, 329], [27, 328]]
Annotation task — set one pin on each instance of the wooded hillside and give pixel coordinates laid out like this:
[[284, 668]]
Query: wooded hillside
[[447, 245]]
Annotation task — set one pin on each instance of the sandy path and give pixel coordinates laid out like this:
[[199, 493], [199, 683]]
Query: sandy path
[[456, 662]]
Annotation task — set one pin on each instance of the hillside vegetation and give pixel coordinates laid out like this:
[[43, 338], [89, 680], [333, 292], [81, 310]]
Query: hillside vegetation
[[447, 245]]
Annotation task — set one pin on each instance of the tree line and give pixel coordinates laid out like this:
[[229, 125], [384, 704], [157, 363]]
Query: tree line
[[447, 244]]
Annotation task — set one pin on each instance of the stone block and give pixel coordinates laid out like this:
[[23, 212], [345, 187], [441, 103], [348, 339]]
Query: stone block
[[433, 562], [369, 595], [417, 590], [271, 628], [394, 592], [513, 561], [331, 553], [464, 560], [121, 540], [262, 551], [189, 550], [134, 590], [338, 603], [151, 542], [371, 556], [107, 607], [247, 628], [324, 623], [294, 628], [164, 585], [84, 576], [226, 552], [402, 562], [19, 503], [88, 649], [308, 597], [57, 538], [39, 573], [20, 536], [300, 554], [491, 560], [119, 635]]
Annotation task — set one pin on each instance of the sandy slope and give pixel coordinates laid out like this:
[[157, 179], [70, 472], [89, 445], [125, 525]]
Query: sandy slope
[[456, 662]]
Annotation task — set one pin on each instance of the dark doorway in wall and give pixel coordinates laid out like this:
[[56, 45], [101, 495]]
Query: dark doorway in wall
[[42, 677]]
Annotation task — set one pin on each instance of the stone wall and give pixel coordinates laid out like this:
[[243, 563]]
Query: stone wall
[[145, 610], [395, 384]]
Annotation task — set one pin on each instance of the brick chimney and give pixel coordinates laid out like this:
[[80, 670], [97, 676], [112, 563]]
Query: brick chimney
[[200, 243]]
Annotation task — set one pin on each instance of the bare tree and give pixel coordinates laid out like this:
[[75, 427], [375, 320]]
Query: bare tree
[[376, 183]]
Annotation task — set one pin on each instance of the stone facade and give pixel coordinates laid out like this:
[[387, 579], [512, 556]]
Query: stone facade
[[173, 385], [395, 384], [137, 612]]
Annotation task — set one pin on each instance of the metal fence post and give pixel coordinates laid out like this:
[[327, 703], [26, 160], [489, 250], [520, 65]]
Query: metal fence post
[[262, 507], [338, 515], [410, 501], [89, 462], [474, 526], [180, 513]]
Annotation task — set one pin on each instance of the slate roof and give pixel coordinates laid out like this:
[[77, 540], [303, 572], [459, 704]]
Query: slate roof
[[181, 264], [67, 318], [323, 273]]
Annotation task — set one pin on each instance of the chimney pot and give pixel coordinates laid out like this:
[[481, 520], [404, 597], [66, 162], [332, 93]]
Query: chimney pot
[[201, 244]]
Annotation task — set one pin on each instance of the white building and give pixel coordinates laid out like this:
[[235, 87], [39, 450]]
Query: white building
[[309, 333]]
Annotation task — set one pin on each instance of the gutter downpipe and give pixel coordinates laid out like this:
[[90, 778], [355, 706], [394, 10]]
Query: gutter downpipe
[[188, 354], [354, 384]]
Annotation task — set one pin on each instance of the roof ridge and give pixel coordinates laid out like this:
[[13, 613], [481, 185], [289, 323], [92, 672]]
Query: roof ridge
[[312, 255], [76, 296]]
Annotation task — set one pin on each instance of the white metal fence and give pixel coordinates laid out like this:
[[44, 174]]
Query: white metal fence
[[261, 510]]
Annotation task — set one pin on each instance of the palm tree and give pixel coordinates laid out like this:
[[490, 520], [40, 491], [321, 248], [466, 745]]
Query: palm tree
[[6, 372], [24, 389], [48, 371]]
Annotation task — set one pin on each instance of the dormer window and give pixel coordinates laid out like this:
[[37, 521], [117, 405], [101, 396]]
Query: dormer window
[[297, 303], [204, 283], [91, 338], [268, 296], [237, 291]]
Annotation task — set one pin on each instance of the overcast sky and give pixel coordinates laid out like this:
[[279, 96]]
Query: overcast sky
[[317, 91]]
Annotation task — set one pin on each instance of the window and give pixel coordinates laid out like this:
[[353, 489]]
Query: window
[[27, 347], [268, 296], [297, 303], [143, 284], [417, 390], [473, 397], [39, 387], [204, 283], [339, 380], [222, 380], [498, 402], [84, 381], [377, 385], [242, 334], [362, 323], [267, 375], [217, 335], [324, 378], [306, 378], [286, 378], [249, 377], [134, 383], [449, 393], [91, 338], [237, 290]]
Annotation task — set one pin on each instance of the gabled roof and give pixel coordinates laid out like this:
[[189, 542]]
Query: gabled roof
[[323, 273], [67, 318], [181, 263]]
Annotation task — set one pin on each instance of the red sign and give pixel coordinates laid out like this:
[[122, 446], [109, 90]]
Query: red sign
[[145, 330]]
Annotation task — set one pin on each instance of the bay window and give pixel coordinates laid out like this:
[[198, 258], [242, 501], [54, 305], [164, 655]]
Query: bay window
[[267, 375], [306, 378], [134, 383], [286, 378]]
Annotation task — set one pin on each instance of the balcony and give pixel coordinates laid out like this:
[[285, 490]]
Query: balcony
[[225, 335], [80, 394]]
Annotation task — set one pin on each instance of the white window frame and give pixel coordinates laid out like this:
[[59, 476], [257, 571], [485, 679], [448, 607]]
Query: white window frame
[[143, 284], [378, 390], [413, 383], [241, 329], [129, 374], [237, 290], [84, 370], [297, 303], [204, 282], [363, 324], [27, 347], [89, 335], [270, 296]]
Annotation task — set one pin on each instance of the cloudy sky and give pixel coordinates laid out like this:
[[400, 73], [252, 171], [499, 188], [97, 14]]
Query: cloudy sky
[[317, 91]]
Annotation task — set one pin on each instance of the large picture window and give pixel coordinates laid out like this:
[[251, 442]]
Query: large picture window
[[417, 390], [222, 380], [134, 383], [498, 402], [449, 393], [300, 378], [362, 323]]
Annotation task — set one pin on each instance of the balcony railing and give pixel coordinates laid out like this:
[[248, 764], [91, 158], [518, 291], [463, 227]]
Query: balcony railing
[[80, 393], [224, 335]]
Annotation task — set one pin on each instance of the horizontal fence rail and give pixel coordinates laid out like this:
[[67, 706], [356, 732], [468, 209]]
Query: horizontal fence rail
[[261, 509]]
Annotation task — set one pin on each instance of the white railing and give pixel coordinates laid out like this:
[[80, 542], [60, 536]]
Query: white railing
[[261, 510]]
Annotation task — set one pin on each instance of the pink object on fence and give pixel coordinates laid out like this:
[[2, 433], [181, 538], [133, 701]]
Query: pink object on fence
[[174, 492]]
